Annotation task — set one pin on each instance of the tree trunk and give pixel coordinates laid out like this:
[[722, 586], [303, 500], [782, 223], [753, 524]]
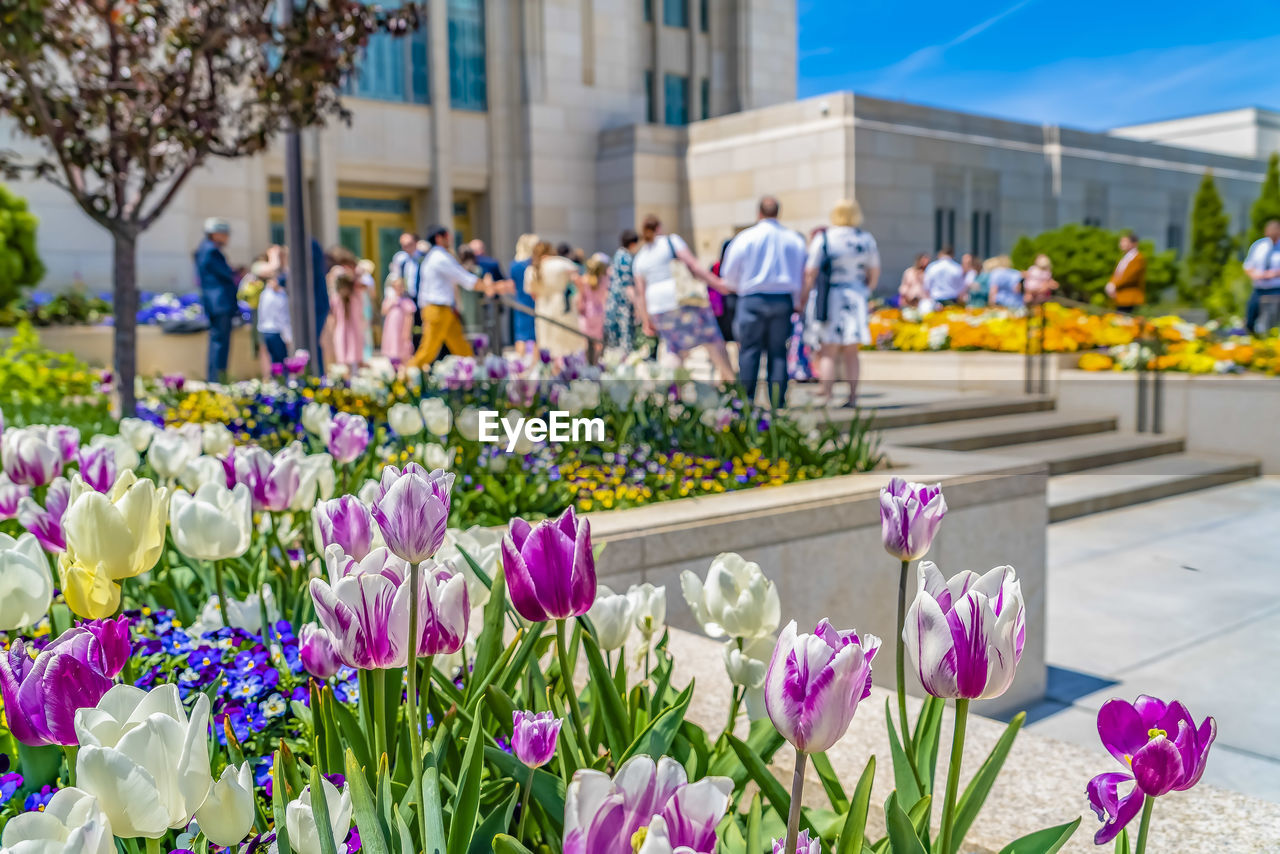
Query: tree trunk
[[125, 287]]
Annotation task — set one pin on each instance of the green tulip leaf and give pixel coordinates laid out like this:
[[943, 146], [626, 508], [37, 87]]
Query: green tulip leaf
[[498, 820], [548, 789], [616, 725], [320, 810], [830, 782], [926, 737], [372, 832], [855, 824], [903, 778], [467, 803], [902, 832], [1047, 841], [754, 840], [503, 844], [661, 731]]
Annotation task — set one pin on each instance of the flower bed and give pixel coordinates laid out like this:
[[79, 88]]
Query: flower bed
[[238, 669], [74, 306], [1106, 341]]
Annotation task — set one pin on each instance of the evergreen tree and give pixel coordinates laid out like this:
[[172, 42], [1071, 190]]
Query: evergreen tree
[[1211, 244], [1267, 207]]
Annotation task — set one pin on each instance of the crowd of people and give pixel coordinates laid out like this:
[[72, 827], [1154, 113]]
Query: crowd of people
[[796, 307]]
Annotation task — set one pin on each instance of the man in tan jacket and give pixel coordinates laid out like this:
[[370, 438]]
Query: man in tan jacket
[[1128, 285]]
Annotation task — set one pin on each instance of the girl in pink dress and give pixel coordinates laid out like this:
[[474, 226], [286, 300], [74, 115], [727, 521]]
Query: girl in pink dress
[[398, 311], [346, 301], [590, 299]]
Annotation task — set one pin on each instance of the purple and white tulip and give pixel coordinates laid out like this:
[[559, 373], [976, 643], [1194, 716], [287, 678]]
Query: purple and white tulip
[[413, 510], [1161, 749], [344, 521], [550, 568], [30, 456], [910, 514], [646, 807], [534, 736], [318, 651], [804, 845], [273, 481], [11, 495], [346, 437], [46, 522], [815, 682], [66, 440], [98, 467], [964, 636]]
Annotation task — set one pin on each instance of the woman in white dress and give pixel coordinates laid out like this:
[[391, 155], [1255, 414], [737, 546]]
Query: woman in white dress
[[851, 256], [547, 280]]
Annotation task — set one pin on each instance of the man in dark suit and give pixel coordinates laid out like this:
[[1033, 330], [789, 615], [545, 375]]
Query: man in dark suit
[[217, 293]]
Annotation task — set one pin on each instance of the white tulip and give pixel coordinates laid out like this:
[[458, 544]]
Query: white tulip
[[300, 820], [125, 456], [469, 424], [192, 432], [216, 439], [484, 546], [169, 454], [370, 491], [145, 761], [202, 470], [242, 613], [523, 445], [316, 478], [227, 815], [214, 524], [650, 608], [71, 823], [436, 415], [137, 432], [736, 599], [435, 456], [26, 587], [747, 667], [405, 420], [612, 614], [316, 418]]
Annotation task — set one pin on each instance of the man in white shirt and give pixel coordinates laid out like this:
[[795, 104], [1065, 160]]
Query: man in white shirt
[[438, 273], [1263, 266], [944, 279], [765, 265]]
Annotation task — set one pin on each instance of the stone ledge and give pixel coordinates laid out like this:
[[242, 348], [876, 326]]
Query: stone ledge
[[1042, 785]]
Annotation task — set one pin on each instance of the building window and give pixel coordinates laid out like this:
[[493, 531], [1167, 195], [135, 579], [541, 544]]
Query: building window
[[704, 16], [675, 90], [980, 233], [467, 86], [705, 97], [944, 228], [648, 11], [650, 102], [1173, 237], [393, 69], [675, 13], [1095, 204]]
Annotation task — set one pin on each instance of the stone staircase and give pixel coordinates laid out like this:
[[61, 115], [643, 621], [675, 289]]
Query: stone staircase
[[1093, 466]]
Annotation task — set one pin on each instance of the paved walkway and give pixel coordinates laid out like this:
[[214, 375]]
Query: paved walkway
[[1178, 598]]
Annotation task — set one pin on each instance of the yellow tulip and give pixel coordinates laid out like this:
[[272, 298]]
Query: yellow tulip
[[121, 532], [89, 590]]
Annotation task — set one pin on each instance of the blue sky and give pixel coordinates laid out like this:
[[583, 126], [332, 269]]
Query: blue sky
[[1091, 64]]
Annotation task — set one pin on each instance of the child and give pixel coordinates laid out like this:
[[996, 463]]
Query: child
[[364, 274], [590, 299], [346, 308], [398, 310], [1037, 283], [273, 315]]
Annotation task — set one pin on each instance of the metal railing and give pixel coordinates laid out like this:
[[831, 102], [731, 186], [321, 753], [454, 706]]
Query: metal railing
[[493, 326]]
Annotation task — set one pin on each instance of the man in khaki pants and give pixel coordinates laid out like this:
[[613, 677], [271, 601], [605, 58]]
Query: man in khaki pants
[[437, 274]]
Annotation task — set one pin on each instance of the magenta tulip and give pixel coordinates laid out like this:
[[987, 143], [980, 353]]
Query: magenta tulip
[[910, 514], [46, 522], [98, 467], [815, 682], [1160, 747], [534, 737], [413, 510], [11, 495], [41, 696], [346, 437], [344, 521], [550, 568], [317, 649]]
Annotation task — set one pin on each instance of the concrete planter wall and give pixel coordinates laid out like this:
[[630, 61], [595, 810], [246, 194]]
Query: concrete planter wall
[[820, 542], [158, 353]]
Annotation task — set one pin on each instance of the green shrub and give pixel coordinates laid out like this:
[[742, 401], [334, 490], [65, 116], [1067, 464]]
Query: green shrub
[[1085, 256], [20, 265]]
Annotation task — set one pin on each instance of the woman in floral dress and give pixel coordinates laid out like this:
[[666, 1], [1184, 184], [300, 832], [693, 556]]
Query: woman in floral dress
[[619, 311]]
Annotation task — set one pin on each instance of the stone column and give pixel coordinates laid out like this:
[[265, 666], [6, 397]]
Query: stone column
[[698, 65], [503, 124], [441, 114], [659, 68]]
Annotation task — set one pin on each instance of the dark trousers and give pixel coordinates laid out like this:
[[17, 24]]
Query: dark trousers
[[219, 346], [276, 349], [763, 328], [1253, 310]]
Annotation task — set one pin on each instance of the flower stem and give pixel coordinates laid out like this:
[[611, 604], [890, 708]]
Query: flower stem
[[70, 751], [415, 730], [947, 846], [1147, 804], [379, 678], [797, 789], [222, 597], [733, 709], [570, 699], [524, 805], [908, 744], [153, 846]]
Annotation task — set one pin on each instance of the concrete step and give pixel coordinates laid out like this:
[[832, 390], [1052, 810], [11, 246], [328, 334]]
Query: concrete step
[[1080, 453], [1001, 431], [888, 415], [1112, 487]]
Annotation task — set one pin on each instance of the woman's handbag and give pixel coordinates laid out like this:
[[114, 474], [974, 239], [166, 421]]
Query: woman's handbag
[[689, 290], [822, 282]]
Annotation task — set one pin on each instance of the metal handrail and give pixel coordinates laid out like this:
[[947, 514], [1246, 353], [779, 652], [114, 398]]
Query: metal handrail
[[517, 306]]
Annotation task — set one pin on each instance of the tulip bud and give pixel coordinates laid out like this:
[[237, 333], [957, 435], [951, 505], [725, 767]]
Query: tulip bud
[[344, 521], [137, 432], [316, 418], [910, 514], [214, 524], [300, 819], [815, 682], [346, 437], [413, 511], [436, 416], [97, 467], [405, 420], [46, 522], [202, 470], [318, 652], [469, 424], [26, 587], [550, 568], [611, 615], [169, 454], [227, 815], [534, 737], [651, 609], [216, 439], [964, 635]]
